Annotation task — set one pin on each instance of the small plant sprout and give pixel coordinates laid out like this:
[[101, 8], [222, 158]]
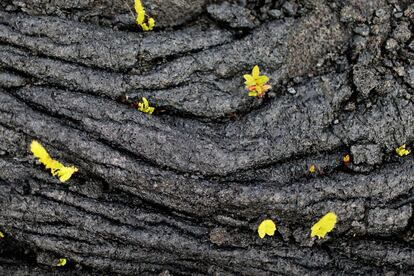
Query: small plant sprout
[[62, 262], [139, 9], [402, 151], [266, 227], [256, 84], [312, 169], [347, 159], [1, 235], [325, 225], [56, 168], [145, 107]]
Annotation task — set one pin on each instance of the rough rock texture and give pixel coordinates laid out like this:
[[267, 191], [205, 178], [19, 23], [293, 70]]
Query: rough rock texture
[[182, 192]]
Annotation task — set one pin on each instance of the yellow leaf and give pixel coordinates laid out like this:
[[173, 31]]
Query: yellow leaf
[[138, 6], [266, 227], [144, 27], [249, 80], [140, 17], [145, 101], [325, 225], [253, 94], [1, 235], [151, 23], [56, 168], [65, 173], [256, 72], [62, 262], [40, 152], [262, 80], [402, 151]]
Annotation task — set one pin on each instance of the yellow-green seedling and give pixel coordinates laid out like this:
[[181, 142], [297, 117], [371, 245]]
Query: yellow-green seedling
[[1, 235], [402, 151], [62, 262], [256, 84], [56, 168], [325, 225], [139, 9], [266, 227], [145, 107], [312, 169]]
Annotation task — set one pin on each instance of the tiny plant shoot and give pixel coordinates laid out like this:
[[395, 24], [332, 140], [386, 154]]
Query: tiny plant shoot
[[62, 262], [256, 84], [145, 107], [139, 9], [402, 151], [312, 169], [56, 168], [347, 159], [266, 227]]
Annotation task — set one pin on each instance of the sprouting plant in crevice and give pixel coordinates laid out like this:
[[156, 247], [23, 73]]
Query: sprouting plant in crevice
[[266, 227], [145, 107], [256, 84], [312, 168], [402, 151], [346, 159], [62, 262], [56, 168], [325, 225], [140, 20], [1, 235]]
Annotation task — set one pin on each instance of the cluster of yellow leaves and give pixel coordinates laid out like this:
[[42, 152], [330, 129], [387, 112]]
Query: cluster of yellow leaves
[[256, 84], [139, 9], [402, 151], [1, 235], [325, 225], [62, 262], [56, 168], [266, 227], [145, 107]]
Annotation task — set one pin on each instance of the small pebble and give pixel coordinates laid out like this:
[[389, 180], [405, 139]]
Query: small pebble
[[391, 44], [351, 106], [409, 12], [271, 94], [320, 63], [398, 14], [400, 71], [291, 90], [359, 43], [402, 32], [362, 30], [290, 8], [276, 14], [297, 79], [380, 13]]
